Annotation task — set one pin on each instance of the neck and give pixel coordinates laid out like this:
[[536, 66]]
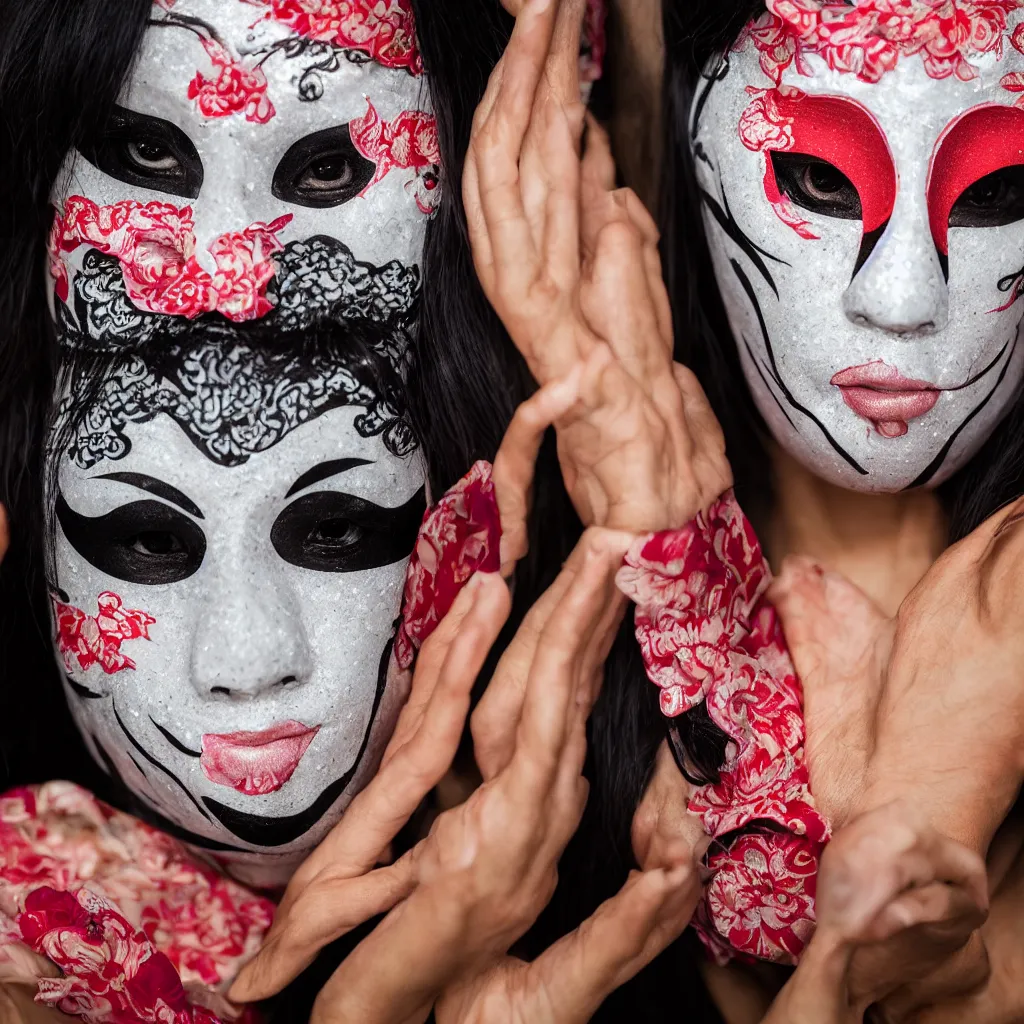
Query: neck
[[884, 543]]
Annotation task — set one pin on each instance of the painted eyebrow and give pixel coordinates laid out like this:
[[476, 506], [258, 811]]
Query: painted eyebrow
[[157, 487], [324, 471]]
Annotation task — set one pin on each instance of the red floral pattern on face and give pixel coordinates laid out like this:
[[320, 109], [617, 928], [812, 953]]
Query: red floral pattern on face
[[155, 245], [867, 38], [460, 536], [409, 142], [97, 639], [154, 917], [707, 634], [235, 88], [384, 30]]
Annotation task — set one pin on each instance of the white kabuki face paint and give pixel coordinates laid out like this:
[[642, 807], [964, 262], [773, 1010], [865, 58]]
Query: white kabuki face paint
[[249, 128], [235, 503], [862, 171], [231, 546]]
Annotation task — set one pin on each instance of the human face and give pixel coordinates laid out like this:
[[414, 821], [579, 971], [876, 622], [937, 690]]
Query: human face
[[231, 543], [862, 171], [264, 162]]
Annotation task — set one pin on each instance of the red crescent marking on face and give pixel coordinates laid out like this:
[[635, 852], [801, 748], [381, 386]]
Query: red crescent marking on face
[[846, 135], [979, 142]]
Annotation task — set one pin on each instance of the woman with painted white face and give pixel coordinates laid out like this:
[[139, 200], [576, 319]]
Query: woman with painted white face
[[213, 371], [872, 451]]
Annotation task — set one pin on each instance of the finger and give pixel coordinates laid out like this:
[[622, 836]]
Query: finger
[[882, 854], [552, 685], [498, 142], [628, 931], [378, 813], [327, 910], [516, 462], [429, 662], [962, 974]]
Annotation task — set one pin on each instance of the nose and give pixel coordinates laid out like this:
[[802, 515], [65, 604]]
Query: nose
[[221, 208], [250, 639], [902, 286]]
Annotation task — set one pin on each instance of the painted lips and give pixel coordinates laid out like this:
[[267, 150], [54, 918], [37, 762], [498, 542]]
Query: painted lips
[[881, 394], [256, 763]]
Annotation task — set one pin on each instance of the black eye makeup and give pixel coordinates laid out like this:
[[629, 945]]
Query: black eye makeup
[[816, 185], [147, 151], [991, 202], [322, 170], [146, 542], [332, 532]]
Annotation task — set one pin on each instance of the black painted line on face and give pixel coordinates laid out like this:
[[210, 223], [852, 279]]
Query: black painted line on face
[[156, 764], [867, 247], [174, 741], [80, 691], [153, 816], [705, 94], [259, 830], [983, 373], [936, 464], [139, 766], [152, 485], [732, 229], [325, 471], [838, 448], [768, 387]]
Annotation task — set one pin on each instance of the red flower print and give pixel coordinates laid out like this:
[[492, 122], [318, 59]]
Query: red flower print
[[707, 634], [155, 245], [97, 639], [460, 536], [383, 30], [407, 143], [152, 920], [761, 898], [867, 38], [235, 88]]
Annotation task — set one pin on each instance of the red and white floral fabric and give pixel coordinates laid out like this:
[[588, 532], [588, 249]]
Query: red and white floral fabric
[[139, 928], [460, 536], [708, 635]]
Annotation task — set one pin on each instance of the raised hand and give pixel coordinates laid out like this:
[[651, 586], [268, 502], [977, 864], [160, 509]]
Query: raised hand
[[571, 266]]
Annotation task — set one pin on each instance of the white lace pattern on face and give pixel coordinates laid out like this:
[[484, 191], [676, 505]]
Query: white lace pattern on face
[[863, 185]]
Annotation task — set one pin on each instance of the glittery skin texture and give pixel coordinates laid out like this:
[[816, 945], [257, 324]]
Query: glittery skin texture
[[254, 634], [881, 346], [233, 96], [251, 518]]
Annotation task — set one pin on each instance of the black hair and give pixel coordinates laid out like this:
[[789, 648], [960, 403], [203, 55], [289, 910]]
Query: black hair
[[464, 384], [50, 51]]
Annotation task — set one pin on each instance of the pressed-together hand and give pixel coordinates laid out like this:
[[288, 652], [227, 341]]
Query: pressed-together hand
[[933, 714], [571, 266], [489, 866], [892, 887]]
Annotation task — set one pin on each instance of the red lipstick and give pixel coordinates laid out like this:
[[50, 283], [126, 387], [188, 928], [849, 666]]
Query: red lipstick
[[881, 394], [256, 763]]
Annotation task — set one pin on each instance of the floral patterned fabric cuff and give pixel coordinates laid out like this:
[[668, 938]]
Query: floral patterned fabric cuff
[[708, 635], [460, 536]]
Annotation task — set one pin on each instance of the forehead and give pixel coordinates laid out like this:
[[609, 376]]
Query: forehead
[[241, 47], [914, 64]]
